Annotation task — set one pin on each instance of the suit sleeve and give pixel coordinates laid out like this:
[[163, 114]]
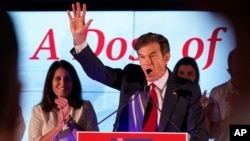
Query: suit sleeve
[[96, 70]]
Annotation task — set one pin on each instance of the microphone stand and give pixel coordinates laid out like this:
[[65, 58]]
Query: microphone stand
[[118, 109]]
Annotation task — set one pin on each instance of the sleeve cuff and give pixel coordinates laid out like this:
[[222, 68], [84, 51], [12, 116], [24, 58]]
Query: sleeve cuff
[[79, 48]]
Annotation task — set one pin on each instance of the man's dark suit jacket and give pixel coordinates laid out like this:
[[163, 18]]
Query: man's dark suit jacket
[[181, 112]]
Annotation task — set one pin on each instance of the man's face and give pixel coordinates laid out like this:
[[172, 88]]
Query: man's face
[[152, 62]]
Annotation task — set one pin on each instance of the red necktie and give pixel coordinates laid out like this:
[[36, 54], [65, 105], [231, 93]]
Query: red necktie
[[150, 117]]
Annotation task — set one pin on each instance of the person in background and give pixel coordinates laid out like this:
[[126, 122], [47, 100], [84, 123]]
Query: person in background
[[62, 110], [227, 102], [179, 109], [11, 120], [237, 13], [187, 68]]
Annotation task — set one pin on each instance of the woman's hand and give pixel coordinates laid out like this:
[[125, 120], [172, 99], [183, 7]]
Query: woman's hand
[[63, 106], [60, 120], [206, 103]]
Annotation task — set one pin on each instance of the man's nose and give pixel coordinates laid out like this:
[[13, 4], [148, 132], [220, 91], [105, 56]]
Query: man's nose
[[148, 60]]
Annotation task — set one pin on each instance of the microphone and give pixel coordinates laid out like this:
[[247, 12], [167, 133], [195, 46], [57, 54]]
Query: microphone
[[164, 115], [146, 89], [121, 107]]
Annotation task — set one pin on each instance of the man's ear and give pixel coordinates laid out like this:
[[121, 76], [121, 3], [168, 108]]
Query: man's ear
[[167, 57]]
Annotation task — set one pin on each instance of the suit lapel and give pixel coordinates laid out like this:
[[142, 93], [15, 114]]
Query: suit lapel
[[169, 102]]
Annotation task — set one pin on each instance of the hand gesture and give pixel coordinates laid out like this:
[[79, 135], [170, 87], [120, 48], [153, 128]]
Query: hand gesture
[[63, 106], [60, 120], [78, 25], [206, 103], [203, 97]]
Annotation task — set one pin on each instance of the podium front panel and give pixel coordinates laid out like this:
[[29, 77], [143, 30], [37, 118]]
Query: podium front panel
[[131, 136]]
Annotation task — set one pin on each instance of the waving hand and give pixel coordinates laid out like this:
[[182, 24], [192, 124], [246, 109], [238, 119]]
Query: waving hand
[[78, 25]]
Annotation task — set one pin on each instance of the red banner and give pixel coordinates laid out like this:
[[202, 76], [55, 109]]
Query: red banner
[[131, 136]]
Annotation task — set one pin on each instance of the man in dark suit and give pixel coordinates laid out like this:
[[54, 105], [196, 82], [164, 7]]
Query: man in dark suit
[[178, 106]]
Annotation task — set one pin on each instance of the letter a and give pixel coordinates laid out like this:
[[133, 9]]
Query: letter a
[[237, 132], [51, 47]]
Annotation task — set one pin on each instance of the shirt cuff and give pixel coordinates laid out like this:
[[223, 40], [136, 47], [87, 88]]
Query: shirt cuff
[[79, 48]]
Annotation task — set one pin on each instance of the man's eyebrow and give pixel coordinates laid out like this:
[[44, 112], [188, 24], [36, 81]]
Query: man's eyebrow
[[153, 52]]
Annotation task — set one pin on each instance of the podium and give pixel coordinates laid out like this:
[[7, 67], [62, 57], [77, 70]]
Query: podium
[[131, 136]]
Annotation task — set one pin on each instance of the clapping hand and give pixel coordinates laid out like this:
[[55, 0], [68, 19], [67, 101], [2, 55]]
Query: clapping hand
[[60, 119], [63, 106], [206, 103]]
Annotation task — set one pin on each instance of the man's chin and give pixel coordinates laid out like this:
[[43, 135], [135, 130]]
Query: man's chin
[[150, 78]]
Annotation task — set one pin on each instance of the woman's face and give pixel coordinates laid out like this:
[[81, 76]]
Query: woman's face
[[62, 83], [186, 71]]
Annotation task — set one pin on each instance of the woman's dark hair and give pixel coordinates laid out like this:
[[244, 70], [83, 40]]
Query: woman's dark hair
[[150, 38], [74, 99], [188, 61]]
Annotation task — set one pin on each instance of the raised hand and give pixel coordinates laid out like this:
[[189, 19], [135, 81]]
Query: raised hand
[[78, 25], [203, 97]]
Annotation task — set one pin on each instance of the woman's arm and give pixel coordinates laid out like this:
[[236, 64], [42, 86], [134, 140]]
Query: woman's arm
[[36, 126]]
